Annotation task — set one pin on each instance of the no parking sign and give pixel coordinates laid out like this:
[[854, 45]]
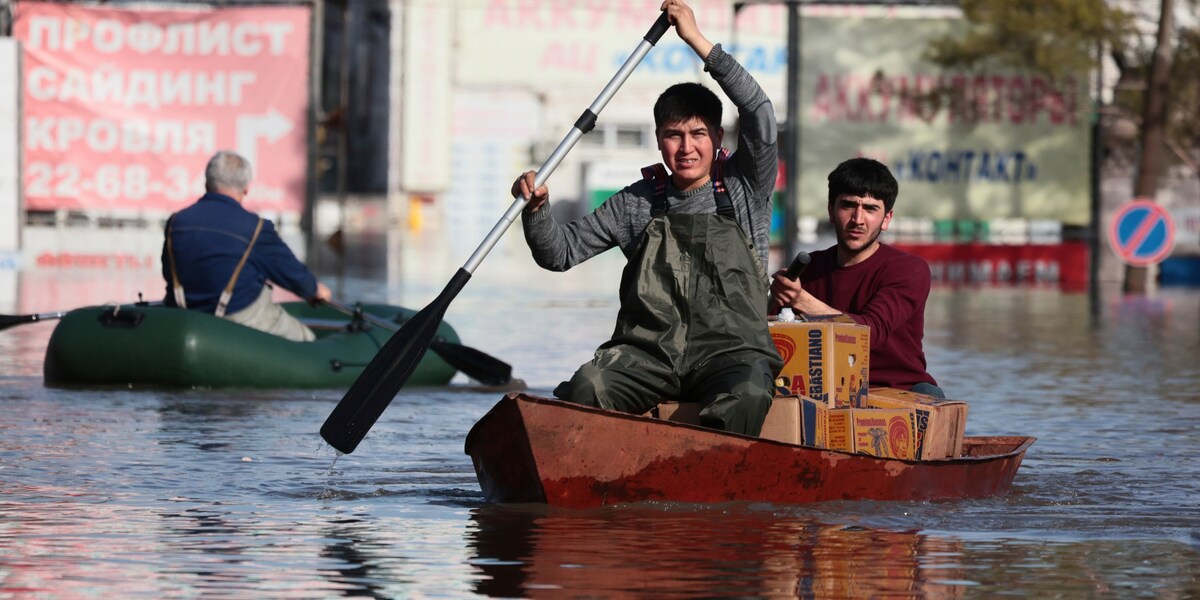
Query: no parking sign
[[1142, 233]]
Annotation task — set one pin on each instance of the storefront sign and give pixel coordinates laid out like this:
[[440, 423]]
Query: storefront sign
[[1063, 265], [123, 106]]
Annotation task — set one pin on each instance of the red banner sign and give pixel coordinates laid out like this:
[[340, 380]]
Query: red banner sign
[[1063, 265], [123, 107]]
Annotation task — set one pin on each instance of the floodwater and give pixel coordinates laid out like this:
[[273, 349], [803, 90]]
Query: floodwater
[[144, 493]]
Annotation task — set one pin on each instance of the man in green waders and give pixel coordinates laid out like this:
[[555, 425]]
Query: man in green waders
[[694, 292]]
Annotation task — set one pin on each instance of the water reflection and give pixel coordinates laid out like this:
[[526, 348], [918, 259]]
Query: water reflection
[[213, 541], [357, 554], [733, 551], [203, 425]]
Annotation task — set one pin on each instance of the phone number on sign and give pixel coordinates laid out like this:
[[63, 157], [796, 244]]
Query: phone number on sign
[[112, 182]]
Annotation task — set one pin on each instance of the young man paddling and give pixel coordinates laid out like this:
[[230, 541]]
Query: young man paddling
[[877, 285], [690, 326]]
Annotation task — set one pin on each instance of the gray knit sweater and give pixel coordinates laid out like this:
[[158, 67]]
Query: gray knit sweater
[[749, 177]]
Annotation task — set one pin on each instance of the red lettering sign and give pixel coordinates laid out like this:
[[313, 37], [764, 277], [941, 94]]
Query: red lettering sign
[[123, 107], [1064, 265]]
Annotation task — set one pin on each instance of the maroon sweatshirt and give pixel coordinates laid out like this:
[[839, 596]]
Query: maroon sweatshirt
[[887, 293]]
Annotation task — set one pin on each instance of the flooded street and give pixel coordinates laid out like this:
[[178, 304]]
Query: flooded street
[[145, 493]]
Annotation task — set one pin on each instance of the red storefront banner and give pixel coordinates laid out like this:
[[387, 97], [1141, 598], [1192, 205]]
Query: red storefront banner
[[1063, 264], [123, 107]]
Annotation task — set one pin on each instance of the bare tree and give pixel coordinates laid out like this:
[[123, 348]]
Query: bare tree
[[1152, 162]]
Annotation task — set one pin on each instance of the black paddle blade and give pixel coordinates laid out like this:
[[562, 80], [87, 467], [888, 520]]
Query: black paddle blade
[[7, 321], [395, 362], [476, 364]]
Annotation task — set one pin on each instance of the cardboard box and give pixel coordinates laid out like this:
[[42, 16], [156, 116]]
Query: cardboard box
[[782, 423], [939, 424], [824, 358], [824, 427], [884, 432]]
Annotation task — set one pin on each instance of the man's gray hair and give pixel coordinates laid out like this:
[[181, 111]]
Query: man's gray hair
[[228, 170]]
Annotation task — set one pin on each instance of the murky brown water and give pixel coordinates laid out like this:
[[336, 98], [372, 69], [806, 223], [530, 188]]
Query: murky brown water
[[156, 494]]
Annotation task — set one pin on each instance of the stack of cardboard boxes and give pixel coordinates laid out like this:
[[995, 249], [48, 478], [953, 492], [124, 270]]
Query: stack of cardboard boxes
[[824, 399], [827, 365]]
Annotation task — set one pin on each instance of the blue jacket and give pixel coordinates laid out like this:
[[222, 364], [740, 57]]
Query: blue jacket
[[209, 238]]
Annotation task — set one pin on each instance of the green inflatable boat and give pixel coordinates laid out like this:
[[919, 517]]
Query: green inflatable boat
[[160, 346]]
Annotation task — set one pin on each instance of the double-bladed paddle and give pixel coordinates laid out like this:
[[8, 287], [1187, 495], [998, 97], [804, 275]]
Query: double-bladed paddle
[[395, 362], [476, 364]]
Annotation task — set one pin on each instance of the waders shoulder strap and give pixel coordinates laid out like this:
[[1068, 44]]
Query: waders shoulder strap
[[720, 193], [658, 174]]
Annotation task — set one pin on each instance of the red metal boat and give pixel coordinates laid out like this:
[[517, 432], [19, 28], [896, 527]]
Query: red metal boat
[[532, 449]]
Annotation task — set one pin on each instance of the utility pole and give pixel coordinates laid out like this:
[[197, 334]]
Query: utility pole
[[316, 115], [791, 211], [6, 18], [791, 133]]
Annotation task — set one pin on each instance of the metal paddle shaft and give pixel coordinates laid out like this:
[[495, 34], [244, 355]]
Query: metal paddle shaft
[[7, 321], [365, 316], [584, 124], [379, 383]]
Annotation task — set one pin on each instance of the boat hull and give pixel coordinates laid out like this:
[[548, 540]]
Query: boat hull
[[531, 449], [169, 347]]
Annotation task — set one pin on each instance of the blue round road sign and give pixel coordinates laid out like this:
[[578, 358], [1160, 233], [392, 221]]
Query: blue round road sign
[[1142, 233]]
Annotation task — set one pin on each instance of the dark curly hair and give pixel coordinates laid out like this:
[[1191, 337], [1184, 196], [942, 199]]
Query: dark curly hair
[[683, 101], [864, 177]]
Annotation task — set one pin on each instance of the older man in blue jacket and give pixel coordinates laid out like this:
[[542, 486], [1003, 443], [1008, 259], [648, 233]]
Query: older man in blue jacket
[[218, 257]]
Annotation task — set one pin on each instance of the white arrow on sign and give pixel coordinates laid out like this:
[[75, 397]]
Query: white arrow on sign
[[252, 128]]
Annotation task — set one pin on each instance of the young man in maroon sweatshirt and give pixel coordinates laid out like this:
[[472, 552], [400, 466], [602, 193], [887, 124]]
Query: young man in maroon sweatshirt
[[873, 283]]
